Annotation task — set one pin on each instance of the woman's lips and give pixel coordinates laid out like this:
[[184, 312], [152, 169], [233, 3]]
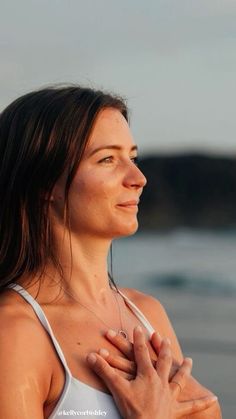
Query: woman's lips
[[129, 204]]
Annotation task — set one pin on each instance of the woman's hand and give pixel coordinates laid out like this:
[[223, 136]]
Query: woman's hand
[[126, 364], [149, 394]]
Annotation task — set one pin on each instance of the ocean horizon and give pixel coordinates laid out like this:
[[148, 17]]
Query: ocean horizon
[[199, 261]]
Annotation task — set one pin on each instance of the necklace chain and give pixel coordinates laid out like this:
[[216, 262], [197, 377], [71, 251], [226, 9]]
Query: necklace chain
[[120, 331]]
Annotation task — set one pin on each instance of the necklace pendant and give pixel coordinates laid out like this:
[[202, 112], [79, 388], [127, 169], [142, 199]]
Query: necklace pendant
[[123, 333]]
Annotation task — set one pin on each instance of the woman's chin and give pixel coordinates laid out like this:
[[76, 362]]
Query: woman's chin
[[127, 230]]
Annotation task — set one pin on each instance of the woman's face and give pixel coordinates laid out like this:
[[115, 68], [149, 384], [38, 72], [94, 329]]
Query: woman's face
[[104, 194]]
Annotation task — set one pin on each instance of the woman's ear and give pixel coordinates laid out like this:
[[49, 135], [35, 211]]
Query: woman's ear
[[58, 190]]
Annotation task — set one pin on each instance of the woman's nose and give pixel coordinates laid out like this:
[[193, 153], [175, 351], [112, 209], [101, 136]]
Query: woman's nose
[[134, 177]]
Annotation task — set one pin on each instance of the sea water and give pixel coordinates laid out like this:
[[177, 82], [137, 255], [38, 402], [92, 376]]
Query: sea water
[[193, 274], [198, 261]]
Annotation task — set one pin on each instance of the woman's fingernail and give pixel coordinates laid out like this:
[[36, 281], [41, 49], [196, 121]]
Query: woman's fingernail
[[168, 341], [92, 358], [157, 335], [189, 360], [103, 352], [138, 329], [111, 333]]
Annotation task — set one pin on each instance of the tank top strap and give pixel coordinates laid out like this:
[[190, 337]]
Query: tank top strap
[[43, 320], [138, 314]]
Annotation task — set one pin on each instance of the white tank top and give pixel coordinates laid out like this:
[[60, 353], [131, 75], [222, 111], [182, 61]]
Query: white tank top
[[79, 399]]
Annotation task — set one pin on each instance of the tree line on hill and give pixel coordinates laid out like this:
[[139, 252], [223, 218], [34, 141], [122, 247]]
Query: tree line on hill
[[188, 190]]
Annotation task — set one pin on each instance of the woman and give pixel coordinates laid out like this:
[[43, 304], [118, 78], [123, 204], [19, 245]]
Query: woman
[[69, 185]]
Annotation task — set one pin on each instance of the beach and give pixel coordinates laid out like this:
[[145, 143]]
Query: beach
[[206, 329], [193, 274]]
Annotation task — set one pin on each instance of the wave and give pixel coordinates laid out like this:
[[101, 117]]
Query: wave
[[188, 281]]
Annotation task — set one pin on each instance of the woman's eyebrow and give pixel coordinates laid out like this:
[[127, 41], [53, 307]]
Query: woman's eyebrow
[[111, 147]]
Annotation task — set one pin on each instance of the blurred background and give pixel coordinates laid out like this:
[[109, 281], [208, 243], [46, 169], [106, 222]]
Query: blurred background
[[175, 63]]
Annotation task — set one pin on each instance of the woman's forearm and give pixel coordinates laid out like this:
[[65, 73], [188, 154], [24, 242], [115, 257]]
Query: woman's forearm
[[213, 412], [195, 390]]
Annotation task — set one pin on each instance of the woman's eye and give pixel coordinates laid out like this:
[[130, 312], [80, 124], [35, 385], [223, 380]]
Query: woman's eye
[[108, 159], [135, 160]]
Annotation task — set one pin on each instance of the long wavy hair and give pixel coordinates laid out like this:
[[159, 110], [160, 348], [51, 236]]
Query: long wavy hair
[[42, 134]]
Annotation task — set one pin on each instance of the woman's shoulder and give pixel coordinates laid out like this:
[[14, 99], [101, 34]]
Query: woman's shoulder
[[23, 342], [143, 301], [13, 312], [151, 307], [18, 323], [16, 315], [156, 314]]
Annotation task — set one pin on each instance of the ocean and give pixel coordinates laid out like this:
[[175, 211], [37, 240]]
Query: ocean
[[197, 261], [193, 274]]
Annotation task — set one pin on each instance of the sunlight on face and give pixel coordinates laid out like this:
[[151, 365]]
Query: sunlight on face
[[105, 192]]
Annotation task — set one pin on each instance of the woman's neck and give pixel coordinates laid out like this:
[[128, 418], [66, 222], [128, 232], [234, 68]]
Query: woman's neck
[[85, 273]]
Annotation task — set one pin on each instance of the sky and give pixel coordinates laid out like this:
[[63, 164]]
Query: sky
[[173, 60]]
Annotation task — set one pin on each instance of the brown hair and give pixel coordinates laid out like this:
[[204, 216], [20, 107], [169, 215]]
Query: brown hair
[[42, 134]]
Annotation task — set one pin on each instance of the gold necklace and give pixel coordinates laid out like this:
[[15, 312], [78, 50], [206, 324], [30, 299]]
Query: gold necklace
[[120, 331]]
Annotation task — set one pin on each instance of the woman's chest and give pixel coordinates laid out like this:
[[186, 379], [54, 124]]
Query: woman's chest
[[78, 337]]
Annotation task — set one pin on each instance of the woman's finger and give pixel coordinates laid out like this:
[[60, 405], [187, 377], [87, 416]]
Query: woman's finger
[[126, 347], [121, 343], [108, 374], [118, 362], [194, 406], [164, 362], [179, 380], [141, 353], [156, 340]]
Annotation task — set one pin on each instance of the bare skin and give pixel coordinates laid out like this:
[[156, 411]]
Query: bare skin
[[107, 179], [157, 316], [161, 399]]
